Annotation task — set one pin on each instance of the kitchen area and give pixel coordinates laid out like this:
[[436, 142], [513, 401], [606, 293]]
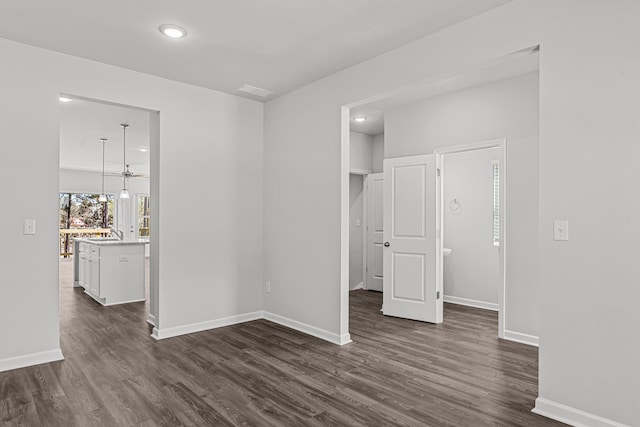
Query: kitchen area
[[110, 270]]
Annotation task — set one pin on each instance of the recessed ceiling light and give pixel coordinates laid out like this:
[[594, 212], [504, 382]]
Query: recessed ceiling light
[[144, 150], [65, 99], [173, 31], [359, 119]]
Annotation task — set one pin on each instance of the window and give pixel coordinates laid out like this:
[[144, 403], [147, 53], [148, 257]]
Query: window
[[85, 211], [496, 202], [83, 215], [143, 216]]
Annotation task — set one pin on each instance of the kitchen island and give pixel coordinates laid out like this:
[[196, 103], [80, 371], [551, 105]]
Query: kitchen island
[[110, 270]]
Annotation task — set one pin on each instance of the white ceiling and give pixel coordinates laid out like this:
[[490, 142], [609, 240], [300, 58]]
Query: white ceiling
[[276, 44], [516, 64], [83, 123]]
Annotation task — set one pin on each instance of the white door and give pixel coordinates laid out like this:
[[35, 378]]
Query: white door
[[374, 229], [412, 246]]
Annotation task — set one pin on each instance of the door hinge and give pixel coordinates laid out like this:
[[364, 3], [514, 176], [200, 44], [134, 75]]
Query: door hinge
[[438, 234], [437, 294], [438, 172]]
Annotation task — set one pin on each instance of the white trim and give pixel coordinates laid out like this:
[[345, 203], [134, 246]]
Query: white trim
[[572, 416], [500, 143], [365, 230], [358, 286], [31, 359], [308, 329], [345, 159], [471, 303], [151, 319], [159, 334], [122, 302], [473, 146], [175, 331], [359, 171], [521, 338]]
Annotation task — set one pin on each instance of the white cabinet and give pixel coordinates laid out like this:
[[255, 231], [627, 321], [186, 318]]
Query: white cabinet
[[93, 274], [82, 267], [111, 273], [83, 264]]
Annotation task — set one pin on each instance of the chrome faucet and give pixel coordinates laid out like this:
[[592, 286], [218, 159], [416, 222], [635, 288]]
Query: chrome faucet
[[118, 233]]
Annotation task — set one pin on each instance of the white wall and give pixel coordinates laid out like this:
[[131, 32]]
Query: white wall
[[361, 151], [589, 98], [378, 153], [356, 233], [210, 149], [505, 109], [471, 271]]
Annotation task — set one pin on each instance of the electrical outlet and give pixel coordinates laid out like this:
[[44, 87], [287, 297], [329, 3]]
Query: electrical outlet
[[267, 287]]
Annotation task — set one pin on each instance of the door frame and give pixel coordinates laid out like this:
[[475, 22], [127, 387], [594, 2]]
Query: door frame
[[501, 144], [153, 312]]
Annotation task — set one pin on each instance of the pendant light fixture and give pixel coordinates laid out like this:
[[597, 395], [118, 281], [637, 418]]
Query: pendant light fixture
[[103, 197], [124, 194]]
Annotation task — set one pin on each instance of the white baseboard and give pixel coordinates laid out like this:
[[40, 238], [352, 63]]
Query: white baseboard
[[572, 416], [308, 329], [521, 338], [358, 286], [123, 302], [151, 319], [160, 334], [471, 303], [30, 359]]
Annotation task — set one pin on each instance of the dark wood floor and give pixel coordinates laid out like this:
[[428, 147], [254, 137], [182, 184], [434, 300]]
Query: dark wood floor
[[397, 372]]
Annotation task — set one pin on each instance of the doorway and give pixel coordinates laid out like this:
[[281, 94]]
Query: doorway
[[366, 146], [434, 128], [100, 159], [374, 229], [473, 225]]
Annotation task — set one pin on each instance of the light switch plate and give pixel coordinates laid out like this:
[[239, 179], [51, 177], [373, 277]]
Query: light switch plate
[[29, 226], [561, 230]]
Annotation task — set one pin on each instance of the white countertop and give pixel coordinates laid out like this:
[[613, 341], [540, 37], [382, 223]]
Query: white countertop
[[107, 241]]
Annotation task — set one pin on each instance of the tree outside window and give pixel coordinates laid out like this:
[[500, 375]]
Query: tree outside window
[[144, 212], [85, 211]]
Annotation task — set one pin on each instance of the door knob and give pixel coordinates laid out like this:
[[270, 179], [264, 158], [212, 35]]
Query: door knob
[[386, 244]]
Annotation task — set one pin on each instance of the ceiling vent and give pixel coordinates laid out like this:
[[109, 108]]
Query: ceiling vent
[[255, 91]]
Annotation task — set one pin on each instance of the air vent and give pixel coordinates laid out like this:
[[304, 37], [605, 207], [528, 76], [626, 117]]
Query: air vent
[[255, 91]]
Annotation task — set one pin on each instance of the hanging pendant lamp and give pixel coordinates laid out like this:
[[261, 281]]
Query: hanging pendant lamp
[[124, 194], [103, 197]]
